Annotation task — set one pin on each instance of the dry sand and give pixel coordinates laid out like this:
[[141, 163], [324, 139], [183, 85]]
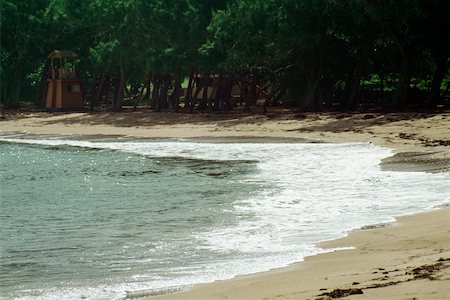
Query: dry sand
[[409, 260]]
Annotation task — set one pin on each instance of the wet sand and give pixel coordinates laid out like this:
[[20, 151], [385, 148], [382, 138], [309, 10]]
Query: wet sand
[[408, 260]]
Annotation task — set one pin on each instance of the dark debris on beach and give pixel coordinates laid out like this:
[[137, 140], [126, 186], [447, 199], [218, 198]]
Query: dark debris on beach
[[422, 272]]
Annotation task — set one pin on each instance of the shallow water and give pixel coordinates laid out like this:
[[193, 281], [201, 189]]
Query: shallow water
[[96, 218]]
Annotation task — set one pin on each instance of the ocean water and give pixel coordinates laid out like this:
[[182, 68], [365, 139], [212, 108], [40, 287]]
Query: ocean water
[[116, 218]]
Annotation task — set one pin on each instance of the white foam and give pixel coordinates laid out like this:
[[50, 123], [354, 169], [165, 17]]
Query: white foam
[[316, 192]]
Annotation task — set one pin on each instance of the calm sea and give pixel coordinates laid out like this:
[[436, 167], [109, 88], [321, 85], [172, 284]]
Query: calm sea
[[97, 218]]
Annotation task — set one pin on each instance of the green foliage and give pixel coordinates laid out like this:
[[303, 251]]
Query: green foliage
[[310, 53], [23, 30]]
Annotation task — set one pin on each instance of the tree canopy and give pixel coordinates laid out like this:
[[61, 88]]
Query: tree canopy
[[312, 54]]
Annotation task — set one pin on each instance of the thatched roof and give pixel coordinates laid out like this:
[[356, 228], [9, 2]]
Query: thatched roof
[[63, 54]]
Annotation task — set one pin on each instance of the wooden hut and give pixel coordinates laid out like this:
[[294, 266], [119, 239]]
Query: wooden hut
[[63, 86]]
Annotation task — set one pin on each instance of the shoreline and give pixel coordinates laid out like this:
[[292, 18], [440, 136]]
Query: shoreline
[[373, 269], [402, 132], [419, 149], [363, 264], [334, 250]]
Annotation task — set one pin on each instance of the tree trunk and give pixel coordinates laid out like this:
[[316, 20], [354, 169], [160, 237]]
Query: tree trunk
[[326, 91], [227, 86], [163, 92], [381, 85], [147, 87], [203, 103], [155, 92], [439, 74], [252, 90], [17, 90], [118, 93], [195, 96], [3, 89], [98, 93], [244, 95], [42, 91], [218, 94], [143, 92], [402, 85], [106, 90], [310, 102], [348, 99], [92, 92], [353, 83], [139, 96], [13, 96], [188, 96], [176, 93]]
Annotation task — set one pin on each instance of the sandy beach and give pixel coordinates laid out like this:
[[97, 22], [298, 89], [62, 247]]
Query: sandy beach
[[409, 259]]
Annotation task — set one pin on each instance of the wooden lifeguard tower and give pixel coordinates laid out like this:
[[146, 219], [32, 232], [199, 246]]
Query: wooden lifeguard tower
[[63, 86]]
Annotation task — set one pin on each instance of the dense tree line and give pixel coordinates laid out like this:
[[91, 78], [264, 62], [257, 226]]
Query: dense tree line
[[313, 54]]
